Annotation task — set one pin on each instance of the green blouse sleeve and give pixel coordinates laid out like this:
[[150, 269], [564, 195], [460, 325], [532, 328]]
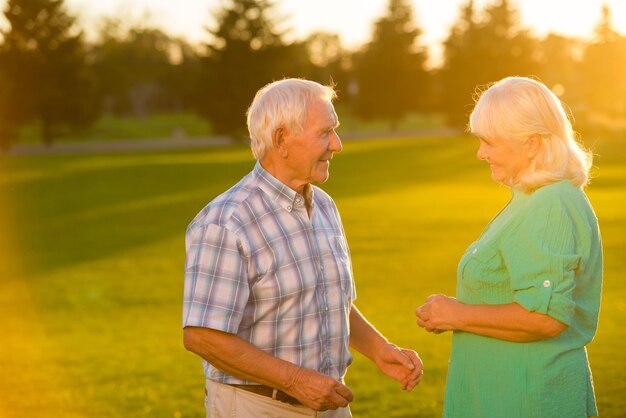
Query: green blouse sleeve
[[542, 258]]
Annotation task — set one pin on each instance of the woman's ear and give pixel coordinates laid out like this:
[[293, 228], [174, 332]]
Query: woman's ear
[[534, 145], [279, 142]]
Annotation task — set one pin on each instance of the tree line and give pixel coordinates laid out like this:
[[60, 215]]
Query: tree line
[[50, 74]]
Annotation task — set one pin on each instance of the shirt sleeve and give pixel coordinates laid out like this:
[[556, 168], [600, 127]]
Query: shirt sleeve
[[216, 285], [543, 260]]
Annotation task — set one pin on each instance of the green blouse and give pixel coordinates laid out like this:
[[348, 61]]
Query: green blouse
[[543, 251]]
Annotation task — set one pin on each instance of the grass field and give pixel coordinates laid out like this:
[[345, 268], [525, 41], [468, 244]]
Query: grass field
[[112, 128], [92, 251], [189, 124]]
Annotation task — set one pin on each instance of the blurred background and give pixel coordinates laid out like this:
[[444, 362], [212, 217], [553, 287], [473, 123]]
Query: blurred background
[[80, 70], [121, 119]]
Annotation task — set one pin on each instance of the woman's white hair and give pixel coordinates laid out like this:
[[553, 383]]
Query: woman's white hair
[[518, 108], [283, 103]]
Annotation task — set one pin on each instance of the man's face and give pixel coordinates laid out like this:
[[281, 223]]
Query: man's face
[[310, 150]]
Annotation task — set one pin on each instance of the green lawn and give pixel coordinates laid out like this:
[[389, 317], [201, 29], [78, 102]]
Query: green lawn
[[92, 252], [188, 124], [113, 128]]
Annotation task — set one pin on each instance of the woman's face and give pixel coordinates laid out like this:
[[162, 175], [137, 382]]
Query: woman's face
[[507, 159]]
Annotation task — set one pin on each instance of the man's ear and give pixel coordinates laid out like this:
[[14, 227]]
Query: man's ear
[[279, 141]]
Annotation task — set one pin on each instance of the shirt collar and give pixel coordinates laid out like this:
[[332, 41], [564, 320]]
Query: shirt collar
[[280, 193], [517, 193]]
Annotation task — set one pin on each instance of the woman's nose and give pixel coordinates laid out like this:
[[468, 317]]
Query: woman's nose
[[481, 154]]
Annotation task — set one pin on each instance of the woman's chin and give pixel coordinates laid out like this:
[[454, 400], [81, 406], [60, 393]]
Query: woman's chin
[[501, 179]]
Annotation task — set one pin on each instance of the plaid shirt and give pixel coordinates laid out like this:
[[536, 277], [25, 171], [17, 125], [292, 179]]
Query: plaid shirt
[[258, 267]]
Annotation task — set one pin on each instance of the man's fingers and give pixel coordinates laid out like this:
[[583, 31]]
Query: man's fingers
[[402, 358], [344, 392], [414, 382], [413, 358], [419, 377], [338, 401], [320, 392]]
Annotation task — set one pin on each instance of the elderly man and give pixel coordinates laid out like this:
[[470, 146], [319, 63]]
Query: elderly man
[[269, 290]]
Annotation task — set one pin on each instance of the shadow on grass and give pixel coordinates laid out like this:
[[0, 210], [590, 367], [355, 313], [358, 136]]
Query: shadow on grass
[[69, 219], [72, 216]]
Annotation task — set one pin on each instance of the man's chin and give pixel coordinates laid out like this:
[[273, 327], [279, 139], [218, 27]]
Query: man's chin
[[321, 178]]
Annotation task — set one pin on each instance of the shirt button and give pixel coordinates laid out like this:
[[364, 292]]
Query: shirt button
[[475, 250], [546, 283], [288, 207]]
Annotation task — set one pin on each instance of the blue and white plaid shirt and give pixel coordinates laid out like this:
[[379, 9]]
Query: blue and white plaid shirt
[[258, 267]]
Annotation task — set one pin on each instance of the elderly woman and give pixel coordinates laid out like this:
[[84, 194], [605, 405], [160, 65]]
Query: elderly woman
[[528, 290]]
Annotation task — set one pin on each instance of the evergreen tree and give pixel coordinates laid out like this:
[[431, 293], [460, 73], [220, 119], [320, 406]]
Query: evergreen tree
[[461, 68], [604, 66], [135, 70], [604, 30], [559, 60], [329, 62], [246, 52], [483, 51], [509, 49], [43, 57], [390, 70]]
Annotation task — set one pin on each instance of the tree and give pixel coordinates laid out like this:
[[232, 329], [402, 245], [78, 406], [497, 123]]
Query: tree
[[43, 57], [329, 62], [141, 70], [461, 69], [390, 70], [604, 66], [559, 60], [246, 52], [604, 30], [483, 51]]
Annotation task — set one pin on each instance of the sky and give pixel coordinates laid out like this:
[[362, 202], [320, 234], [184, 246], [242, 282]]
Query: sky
[[351, 19]]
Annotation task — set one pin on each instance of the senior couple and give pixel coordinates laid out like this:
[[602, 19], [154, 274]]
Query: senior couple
[[269, 293]]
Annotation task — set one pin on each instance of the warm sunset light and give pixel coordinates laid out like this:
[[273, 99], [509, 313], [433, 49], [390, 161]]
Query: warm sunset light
[[175, 240], [352, 19]]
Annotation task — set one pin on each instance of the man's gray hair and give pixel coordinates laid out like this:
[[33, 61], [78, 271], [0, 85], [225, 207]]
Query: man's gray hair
[[282, 103]]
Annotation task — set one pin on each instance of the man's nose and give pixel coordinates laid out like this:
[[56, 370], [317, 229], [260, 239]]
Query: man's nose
[[335, 143]]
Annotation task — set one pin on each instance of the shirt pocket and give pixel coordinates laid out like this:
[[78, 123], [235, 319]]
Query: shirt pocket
[[483, 268], [344, 267]]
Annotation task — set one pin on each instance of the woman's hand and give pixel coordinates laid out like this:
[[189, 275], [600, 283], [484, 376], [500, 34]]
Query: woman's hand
[[439, 313]]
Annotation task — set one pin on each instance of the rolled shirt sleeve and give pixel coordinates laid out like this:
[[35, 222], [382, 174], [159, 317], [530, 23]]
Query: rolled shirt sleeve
[[542, 261], [216, 287]]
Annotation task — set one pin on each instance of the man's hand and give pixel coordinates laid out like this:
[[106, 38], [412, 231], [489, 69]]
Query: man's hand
[[317, 391], [400, 364], [439, 313]]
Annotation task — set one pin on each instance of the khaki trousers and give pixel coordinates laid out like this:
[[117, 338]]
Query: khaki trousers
[[224, 401]]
